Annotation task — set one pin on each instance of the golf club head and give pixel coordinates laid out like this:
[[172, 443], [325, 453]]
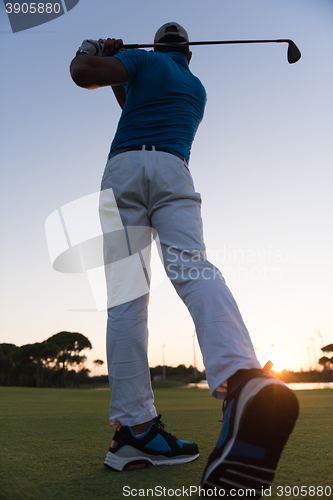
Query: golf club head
[[293, 54]]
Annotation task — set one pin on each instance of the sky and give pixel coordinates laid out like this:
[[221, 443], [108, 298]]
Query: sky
[[262, 160]]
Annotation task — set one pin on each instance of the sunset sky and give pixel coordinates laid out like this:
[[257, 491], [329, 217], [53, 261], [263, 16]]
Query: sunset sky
[[262, 161]]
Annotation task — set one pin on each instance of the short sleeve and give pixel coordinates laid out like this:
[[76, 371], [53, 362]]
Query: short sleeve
[[133, 60]]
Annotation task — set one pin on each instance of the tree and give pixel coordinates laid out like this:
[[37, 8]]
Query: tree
[[38, 356], [327, 348], [98, 363], [6, 362], [325, 362], [69, 344]]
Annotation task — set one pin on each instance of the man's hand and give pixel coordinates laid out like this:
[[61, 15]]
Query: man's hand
[[111, 46], [92, 47], [101, 48]]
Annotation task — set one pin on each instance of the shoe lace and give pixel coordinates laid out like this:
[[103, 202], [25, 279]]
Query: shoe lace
[[162, 425], [159, 422], [113, 424], [224, 406]]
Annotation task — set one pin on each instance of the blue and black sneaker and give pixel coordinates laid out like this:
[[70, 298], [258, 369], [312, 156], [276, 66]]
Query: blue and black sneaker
[[259, 415], [154, 447]]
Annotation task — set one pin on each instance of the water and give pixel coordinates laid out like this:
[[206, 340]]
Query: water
[[301, 386], [310, 386]]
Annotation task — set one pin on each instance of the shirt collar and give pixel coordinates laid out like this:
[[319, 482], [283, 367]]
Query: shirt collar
[[179, 58]]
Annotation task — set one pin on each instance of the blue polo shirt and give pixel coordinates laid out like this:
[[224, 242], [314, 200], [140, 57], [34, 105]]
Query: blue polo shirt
[[164, 102]]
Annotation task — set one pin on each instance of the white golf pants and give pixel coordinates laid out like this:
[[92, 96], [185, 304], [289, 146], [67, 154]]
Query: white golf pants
[[155, 190]]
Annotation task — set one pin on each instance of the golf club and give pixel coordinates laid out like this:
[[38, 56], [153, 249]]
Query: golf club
[[293, 53]]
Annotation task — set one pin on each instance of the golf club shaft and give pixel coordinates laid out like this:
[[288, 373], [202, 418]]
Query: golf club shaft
[[220, 42]]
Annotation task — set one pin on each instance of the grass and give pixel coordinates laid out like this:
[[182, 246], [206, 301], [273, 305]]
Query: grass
[[54, 441]]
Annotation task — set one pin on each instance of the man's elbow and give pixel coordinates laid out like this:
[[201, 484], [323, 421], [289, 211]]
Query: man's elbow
[[79, 75]]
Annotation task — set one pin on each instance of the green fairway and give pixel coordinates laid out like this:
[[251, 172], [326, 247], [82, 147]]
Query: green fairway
[[54, 441]]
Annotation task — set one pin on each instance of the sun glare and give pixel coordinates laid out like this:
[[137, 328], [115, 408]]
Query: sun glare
[[280, 363]]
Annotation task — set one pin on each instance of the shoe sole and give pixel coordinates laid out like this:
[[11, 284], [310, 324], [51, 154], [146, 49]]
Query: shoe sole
[[143, 461], [266, 415]]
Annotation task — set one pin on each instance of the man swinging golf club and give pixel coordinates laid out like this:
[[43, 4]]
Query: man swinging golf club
[[162, 105]]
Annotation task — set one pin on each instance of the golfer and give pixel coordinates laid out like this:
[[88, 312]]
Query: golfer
[[148, 172]]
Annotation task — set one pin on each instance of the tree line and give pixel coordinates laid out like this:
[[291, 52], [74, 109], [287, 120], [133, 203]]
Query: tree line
[[52, 363], [176, 372], [49, 363]]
